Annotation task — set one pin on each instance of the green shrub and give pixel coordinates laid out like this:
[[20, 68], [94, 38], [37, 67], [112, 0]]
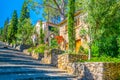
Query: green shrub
[[40, 49], [54, 43], [95, 50], [30, 49], [103, 58]]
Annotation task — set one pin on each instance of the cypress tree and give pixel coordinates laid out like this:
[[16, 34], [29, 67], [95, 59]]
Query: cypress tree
[[12, 30], [23, 21], [41, 33], [71, 30], [24, 12]]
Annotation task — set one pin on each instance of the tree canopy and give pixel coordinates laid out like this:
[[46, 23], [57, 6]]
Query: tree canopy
[[103, 20], [54, 10]]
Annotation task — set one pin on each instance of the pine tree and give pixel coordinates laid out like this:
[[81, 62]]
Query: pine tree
[[71, 30], [12, 30]]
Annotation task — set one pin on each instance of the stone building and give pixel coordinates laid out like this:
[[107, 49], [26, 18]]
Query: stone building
[[79, 26], [81, 40]]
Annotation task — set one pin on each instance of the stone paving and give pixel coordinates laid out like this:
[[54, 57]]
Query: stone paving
[[15, 65]]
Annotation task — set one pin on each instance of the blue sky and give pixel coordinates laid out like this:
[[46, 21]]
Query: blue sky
[[8, 6]]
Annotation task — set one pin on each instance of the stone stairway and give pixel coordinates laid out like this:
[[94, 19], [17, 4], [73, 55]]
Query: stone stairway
[[15, 65]]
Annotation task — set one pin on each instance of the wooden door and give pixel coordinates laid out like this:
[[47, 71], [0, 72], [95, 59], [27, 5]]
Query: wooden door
[[78, 44]]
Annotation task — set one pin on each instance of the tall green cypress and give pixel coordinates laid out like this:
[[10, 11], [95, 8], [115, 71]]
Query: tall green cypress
[[41, 34], [23, 20], [24, 12], [71, 29], [5, 29], [12, 30]]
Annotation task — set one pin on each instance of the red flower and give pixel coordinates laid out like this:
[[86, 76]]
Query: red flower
[[59, 39]]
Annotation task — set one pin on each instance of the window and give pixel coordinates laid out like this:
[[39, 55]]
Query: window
[[51, 28]]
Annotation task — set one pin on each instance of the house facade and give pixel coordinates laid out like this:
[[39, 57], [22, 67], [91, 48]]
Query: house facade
[[80, 40], [79, 26]]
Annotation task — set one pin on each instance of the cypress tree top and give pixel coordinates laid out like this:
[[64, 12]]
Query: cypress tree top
[[24, 12]]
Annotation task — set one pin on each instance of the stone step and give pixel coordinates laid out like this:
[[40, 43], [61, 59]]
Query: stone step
[[37, 76], [16, 58], [19, 62], [17, 70], [15, 65], [10, 56], [10, 53], [49, 78], [26, 66], [33, 73], [28, 72], [9, 60]]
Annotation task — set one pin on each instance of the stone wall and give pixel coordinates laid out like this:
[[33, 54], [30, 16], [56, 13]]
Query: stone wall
[[51, 57], [34, 55], [47, 57], [88, 70], [76, 57], [95, 70], [25, 51], [111, 71], [84, 70], [59, 60], [64, 59]]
